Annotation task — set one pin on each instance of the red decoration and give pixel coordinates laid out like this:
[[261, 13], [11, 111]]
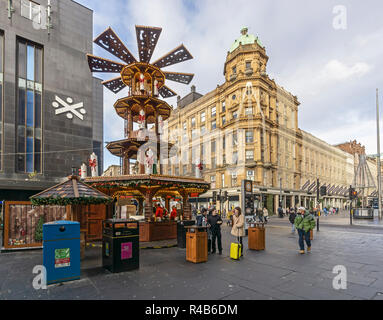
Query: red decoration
[[92, 163]]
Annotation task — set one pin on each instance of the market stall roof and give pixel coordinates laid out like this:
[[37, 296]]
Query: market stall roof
[[72, 191], [164, 183]]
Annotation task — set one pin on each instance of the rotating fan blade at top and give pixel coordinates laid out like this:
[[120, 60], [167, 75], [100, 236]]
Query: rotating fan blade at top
[[166, 92], [177, 55], [180, 77], [109, 41], [115, 85], [98, 64], [147, 38]]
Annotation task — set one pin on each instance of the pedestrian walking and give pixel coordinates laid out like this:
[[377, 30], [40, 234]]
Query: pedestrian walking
[[280, 212], [265, 214], [204, 223], [238, 229], [200, 217], [214, 222], [292, 220], [304, 222]]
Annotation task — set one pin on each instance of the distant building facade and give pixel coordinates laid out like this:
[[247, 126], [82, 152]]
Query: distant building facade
[[247, 128], [51, 106]]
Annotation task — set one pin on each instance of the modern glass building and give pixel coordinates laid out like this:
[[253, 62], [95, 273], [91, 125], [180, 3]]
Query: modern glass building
[[51, 108]]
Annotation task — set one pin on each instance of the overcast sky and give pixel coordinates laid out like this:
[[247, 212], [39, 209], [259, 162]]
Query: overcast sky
[[334, 72]]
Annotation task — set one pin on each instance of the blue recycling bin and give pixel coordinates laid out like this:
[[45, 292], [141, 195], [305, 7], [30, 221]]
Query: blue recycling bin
[[61, 250]]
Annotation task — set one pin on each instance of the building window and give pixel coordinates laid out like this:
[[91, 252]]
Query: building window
[[193, 122], [234, 179], [235, 114], [249, 91], [250, 175], [213, 163], [31, 11], [235, 139], [202, 150], [223, 159], [223, 180], [249, 136], [249, 111], [249, 154], [213, 111], [213, 125], [177, 170], [185, 156], [203, 129], [213, 146], [203, 117], [194, 133], [223, 120], [184, 168], [234, 97], [169, 169], [234, 70], [212, 182], [1, 96], [248, 64], [235, 157], [223, 106], [29, 102], [223, 143]]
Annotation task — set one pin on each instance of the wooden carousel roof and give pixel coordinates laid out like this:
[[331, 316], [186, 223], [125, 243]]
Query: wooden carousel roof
[[145, 181], [72, 191], [150, 104], [129, 147]]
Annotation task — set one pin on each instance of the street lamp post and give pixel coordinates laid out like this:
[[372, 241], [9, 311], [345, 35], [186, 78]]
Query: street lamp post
[[378, 159], [318, 204], [280, 192]]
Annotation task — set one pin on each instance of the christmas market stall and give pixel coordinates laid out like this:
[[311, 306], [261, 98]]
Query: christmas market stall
[[144, 114], [149, 191], [83, 204]]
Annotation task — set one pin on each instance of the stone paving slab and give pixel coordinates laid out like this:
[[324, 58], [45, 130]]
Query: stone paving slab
[[279, 272]]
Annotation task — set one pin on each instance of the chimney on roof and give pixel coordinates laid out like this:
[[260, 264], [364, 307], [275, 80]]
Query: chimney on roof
[[192, 88]]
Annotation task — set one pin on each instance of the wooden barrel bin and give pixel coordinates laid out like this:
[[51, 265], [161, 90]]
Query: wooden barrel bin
[[256, 237], [196, 244]]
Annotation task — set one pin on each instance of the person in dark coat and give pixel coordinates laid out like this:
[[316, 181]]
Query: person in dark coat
[[292, 217], [214, 222]]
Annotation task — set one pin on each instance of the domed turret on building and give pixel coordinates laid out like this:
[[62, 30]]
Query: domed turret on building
[[245, 39], [246, 57]]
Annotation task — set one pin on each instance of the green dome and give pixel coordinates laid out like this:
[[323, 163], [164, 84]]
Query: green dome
[[244, 39]]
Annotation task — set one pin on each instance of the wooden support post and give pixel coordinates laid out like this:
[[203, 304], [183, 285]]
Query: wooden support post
[[186, 205], [148, 210]]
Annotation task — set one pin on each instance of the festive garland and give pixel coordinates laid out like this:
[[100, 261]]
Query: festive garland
[[68, 201], [137, 183]]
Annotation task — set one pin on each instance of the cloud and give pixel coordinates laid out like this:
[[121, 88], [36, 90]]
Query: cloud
[[334, 73]]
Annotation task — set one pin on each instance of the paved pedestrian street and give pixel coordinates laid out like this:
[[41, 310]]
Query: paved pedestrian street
[[279, 272]]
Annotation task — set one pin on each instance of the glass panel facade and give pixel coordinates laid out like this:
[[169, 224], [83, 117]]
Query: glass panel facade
[[1, 96], [29, 107]]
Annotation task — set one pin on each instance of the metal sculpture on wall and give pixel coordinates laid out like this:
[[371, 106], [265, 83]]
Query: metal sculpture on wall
[[147, 38], [69, 108]]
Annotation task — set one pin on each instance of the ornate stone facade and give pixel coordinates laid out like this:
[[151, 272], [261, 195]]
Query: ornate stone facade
[[247, 128]]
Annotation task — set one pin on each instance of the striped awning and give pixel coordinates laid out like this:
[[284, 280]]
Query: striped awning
[[306, 184], [311, 186]]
